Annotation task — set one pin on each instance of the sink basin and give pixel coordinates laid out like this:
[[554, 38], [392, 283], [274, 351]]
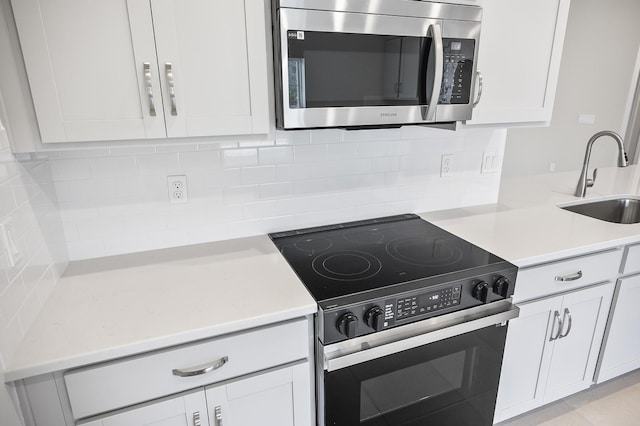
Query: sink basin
[[625, 209]]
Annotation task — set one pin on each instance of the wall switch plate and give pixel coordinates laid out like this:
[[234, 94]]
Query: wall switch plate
[[490, 163], [8, 238], [446, 165], [177, 186]]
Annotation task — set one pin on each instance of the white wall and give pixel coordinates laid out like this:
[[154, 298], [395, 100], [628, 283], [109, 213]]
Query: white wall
[[598, 60], [115, 200]]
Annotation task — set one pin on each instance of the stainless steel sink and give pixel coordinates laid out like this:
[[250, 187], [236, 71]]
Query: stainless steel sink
[[624, 209]]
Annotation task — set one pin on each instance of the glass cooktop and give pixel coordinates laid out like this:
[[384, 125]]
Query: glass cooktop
[[345, 259]]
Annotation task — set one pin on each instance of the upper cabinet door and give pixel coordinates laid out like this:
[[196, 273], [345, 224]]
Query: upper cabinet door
[[212, 56], [85, 63], [142, 69], [519, 59]]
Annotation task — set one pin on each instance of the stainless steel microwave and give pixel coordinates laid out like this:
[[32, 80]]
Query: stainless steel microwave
[[374, 63]]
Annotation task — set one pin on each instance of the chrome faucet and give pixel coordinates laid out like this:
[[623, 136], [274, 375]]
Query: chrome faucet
[[584, 182]]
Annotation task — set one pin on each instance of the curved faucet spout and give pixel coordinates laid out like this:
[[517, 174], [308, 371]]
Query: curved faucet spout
[[584, 182]]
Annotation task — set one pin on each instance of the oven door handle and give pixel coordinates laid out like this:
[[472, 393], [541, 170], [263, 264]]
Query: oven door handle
[[431, 335]]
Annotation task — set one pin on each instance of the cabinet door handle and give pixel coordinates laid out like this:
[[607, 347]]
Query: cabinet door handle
[[147, 82], [217, 416], [556, 318], [200, 369], [479, 92], [567, 314], [172, 90], [573, 277], [196, 418]]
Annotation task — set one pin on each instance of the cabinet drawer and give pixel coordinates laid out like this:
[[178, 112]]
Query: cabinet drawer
[[543, 280], [631, 260], [116, 384]]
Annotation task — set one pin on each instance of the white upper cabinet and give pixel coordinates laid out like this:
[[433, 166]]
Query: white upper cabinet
[[519, 60], [136, 69]]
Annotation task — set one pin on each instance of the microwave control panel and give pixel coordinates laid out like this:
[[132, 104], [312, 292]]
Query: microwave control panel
[[457, 73]]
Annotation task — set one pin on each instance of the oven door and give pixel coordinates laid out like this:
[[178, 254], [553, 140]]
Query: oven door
[[447, 376], [340, 69]]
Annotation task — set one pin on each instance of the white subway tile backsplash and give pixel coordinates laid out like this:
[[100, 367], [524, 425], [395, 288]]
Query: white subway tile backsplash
[[253, 185], [275, 155], [7, 200], [239, 157], [158, 164], [276, 190], [340, 151], [200, 160], [81, 153], [99, 227], [327, 136], [371, 135], [112, 167], [385, 164], [309, 153], [241, 194], [258, 175], [340, 168], [177, 148], [70, 169], [293, 137], [131, 150], [11, 300], [292, 172]]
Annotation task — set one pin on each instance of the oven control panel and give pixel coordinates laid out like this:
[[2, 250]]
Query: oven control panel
[[375, 315], [428, 302]]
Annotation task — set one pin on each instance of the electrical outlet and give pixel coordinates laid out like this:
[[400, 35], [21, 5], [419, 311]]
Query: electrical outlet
[[446, 165], [490, 163], [177, 186]]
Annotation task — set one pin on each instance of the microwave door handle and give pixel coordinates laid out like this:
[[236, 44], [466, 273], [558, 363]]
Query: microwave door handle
[[429, 114]]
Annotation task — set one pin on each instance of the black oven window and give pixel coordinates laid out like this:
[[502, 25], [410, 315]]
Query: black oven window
[[411, 385]]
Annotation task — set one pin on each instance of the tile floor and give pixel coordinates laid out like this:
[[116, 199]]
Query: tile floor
[[613, 403]]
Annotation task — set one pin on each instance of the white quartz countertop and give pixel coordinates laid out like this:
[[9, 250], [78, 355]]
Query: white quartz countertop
[[123, 305], [526, 227]]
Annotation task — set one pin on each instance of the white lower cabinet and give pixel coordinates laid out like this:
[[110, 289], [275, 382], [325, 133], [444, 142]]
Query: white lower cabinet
[[185, 410], [552, 349], [276, 398], [261, 376], [621, 352]]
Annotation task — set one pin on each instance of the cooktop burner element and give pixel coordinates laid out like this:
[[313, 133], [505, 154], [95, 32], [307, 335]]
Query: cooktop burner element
[[346, 265], [424, 251], [374, 274]]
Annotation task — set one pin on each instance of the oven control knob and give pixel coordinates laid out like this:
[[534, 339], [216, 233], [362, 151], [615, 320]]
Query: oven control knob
[[347, 324], [502, 286], [375, 318], [481, 292]]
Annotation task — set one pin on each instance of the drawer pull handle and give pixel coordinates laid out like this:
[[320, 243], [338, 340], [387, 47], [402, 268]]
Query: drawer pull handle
[[556, 318], [200, 369], [217, 412], [573, 277], [567, 314]]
